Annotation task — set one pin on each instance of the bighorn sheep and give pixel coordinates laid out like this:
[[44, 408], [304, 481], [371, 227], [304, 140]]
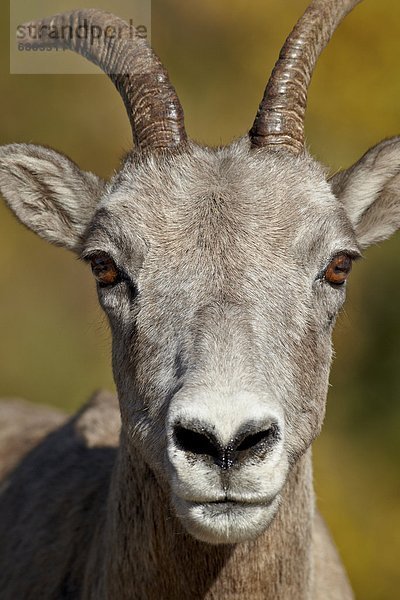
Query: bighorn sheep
[[221, 272]]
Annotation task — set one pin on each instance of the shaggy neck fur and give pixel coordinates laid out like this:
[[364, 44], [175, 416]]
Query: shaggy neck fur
[[141, 550]]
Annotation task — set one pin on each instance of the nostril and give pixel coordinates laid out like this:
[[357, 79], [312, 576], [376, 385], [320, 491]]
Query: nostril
[[259, 438], [252, 441], [195, 442]]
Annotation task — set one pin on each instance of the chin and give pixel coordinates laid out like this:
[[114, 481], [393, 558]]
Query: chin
[[225, 522]]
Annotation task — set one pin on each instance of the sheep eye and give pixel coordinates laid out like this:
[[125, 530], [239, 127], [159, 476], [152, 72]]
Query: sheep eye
[[104, 269], [338, 269]]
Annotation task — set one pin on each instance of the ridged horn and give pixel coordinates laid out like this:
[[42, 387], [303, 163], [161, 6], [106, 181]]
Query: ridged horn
[[153, 107], [280, 117]]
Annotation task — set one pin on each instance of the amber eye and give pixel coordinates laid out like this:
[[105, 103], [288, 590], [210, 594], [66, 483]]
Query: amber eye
[[104, 269], [338, 269]]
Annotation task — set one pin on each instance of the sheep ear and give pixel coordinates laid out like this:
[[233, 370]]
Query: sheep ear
[[48, 192], [370, 192]]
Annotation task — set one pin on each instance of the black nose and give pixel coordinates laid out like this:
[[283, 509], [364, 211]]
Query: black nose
[[251, 441]]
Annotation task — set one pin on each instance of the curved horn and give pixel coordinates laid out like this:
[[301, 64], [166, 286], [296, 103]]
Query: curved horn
[[153, 108], [280, 118]]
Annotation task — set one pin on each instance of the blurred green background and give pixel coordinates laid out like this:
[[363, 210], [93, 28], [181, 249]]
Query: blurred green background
[[54, 342]]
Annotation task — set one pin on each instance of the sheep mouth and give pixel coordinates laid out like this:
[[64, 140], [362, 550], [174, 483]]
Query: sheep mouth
[[230, 502], [226, 521], [230, 506]]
